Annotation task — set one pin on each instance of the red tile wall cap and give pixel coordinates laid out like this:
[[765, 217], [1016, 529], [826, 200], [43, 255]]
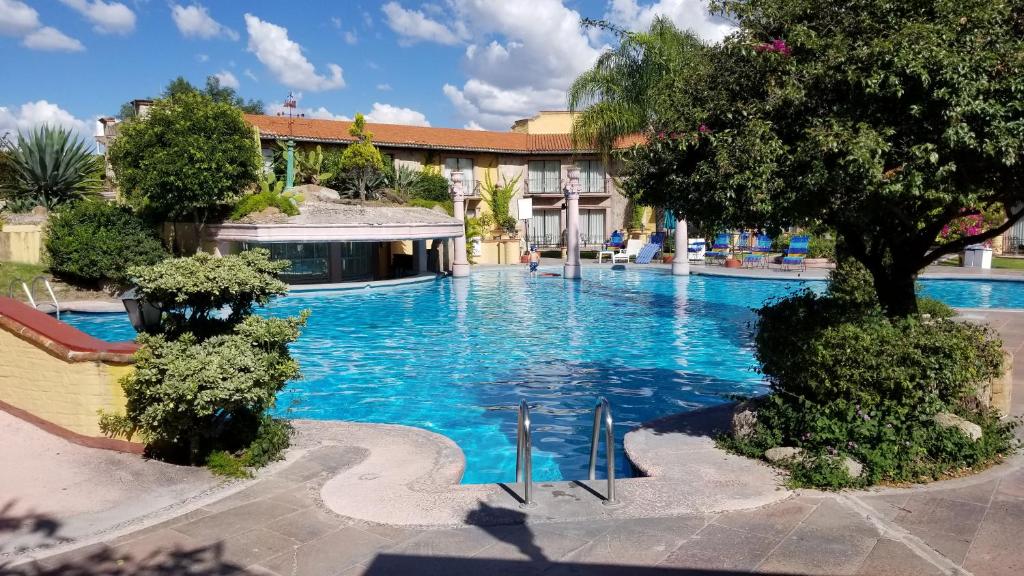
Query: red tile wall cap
[[115, 444], [60, 339]]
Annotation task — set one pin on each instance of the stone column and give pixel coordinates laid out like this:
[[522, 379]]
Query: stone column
[[460, 265], [572, 225], [222, 248], [681, 262], [289, 178], [419, 255]]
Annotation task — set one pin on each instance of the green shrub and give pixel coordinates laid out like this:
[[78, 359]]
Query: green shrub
[[448, 206], [94, 242], [431, 185], [261, 201], [821, 244], [934, 308], [272, 438], [848, 381]]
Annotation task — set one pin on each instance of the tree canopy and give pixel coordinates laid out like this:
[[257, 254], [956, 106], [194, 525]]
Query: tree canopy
[[361, 163], [213, 89], [882, 119], [189, 158]]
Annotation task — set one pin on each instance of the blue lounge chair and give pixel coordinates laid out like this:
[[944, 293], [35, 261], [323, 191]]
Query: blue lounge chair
[[616, 240], [796, 254], [651, 249], [759, 253], [719, 249]]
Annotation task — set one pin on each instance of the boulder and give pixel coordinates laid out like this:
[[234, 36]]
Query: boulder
[[744, 417], [948, 420], [853, 468], [783, 454]]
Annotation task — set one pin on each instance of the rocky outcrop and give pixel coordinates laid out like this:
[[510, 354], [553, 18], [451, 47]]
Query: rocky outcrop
[[948, 420], [783, 454], [744, 417]]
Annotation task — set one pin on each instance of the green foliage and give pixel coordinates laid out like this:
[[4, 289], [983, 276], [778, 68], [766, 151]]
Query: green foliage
[[882, 122], [362, 166], [431, 185], [272, 438], [188, 396], [935, 308], [849, 381], [190, 291], [636, 216], [402, 183], [447, 205], [499, 199], [190, 157], [213, 90], [271, 194], [821, 244], [93, 242], [312, 165], [50, 167]]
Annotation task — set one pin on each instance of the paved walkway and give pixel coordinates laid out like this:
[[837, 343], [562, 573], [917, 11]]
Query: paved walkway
[[280, 525]]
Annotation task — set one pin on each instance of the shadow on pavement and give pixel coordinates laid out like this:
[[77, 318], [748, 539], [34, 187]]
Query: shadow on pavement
[[389, 565]]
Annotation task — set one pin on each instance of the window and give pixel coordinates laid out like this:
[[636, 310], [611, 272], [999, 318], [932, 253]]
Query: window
[[268, 160], [591, 176], [309, 260], [545, 176], [464, 165], [545, 228], [592, 227]]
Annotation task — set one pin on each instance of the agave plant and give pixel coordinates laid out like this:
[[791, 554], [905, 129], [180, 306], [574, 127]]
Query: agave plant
[[52, 167]]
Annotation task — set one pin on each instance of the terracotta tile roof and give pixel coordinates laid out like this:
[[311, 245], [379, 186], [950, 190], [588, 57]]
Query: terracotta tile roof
[[401, 136]]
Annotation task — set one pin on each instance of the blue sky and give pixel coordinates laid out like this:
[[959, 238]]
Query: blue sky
[[454, 63]]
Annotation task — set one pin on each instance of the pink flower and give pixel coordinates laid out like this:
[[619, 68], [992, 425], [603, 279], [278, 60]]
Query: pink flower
[[703, 128], [661, 135]]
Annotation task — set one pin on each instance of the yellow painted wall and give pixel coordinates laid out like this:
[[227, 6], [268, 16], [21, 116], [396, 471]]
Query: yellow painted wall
[[550, 122], [498, 252], [68, 394], [21, 243]]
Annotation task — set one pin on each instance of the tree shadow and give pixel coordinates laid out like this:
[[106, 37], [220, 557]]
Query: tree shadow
[[200, 561], [39, 529]]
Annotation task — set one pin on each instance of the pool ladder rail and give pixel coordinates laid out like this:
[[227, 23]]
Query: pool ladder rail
[[30, 289], [524, 450]]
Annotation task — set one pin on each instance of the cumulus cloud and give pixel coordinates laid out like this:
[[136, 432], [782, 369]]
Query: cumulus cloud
[[51, 40], [385, 87], [195, 22], [687, 14], [227, 79], [388, 114], [472, 125], [249, 74], [284, 57], [20, 19], [17, 18], [32, 114], [106, 17], [413, 25], [320, 113]]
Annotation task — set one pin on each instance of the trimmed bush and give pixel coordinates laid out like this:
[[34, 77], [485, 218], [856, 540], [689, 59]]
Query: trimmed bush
[[431, 185], [96, 242], [261, 201]]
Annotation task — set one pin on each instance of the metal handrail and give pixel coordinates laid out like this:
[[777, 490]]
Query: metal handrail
[[11, 287], [605, 409], [30, 288], [524, 453]]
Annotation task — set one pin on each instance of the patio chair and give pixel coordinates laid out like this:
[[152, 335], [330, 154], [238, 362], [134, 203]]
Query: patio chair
[[759, 253], [719, 249], [632, 248], [651, 249], [695, 249], [796, 254], [616, 240]]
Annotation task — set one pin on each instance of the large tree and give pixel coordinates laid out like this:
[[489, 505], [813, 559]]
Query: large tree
[[188, 159], [883, 119], [213, 89]]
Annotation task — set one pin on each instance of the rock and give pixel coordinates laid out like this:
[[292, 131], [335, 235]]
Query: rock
[[947, 420], [853, 468], [744, 417], [783, 454]]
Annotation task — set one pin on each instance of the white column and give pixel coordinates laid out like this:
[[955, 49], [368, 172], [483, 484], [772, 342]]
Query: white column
[[460, 265], [681, 262], [222, 248], [572, 225], [419, 255]]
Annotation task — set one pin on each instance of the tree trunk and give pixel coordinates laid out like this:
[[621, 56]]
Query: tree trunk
[[896, 290]]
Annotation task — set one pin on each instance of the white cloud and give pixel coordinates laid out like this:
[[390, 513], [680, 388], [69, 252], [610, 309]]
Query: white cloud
[[320, 113], [33, 114], [413, 25], [384, 87], [52, 40], [203, 57], [227, 79], [107, 17], [472, 125], [195, 22], [351, 37], [388, 114], [686, 14], [284, 58], [248, 74], [17, 18], [336, 21]]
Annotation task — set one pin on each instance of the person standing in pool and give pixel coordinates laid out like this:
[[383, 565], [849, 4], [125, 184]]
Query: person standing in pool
[[534, 259]]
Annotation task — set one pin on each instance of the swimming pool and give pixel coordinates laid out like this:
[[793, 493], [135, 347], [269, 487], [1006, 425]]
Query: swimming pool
[[455, 357]]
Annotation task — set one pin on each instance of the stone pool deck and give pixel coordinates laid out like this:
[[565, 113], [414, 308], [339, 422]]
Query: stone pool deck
[[312, 514]]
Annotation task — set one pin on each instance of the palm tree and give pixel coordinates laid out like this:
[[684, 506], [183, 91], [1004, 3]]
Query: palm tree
[[618, 96], [52, 167]]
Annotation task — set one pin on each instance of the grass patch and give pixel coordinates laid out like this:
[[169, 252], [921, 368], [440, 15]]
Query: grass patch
[[1008, 263], [10, 271]]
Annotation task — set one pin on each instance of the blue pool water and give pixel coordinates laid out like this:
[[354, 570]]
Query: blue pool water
[[456, 357]]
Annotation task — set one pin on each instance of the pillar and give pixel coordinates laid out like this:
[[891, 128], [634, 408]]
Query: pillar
[[460, 265], [222, 248], [681, 262], [419, 255], [290, 165], [572, 225]]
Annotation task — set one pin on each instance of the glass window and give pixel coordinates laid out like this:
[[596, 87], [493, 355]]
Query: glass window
[[464, 165], [356, 261], [545, 176], [268, 160], [546, 227], [592, 230], [591, 176], [309, 260]]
